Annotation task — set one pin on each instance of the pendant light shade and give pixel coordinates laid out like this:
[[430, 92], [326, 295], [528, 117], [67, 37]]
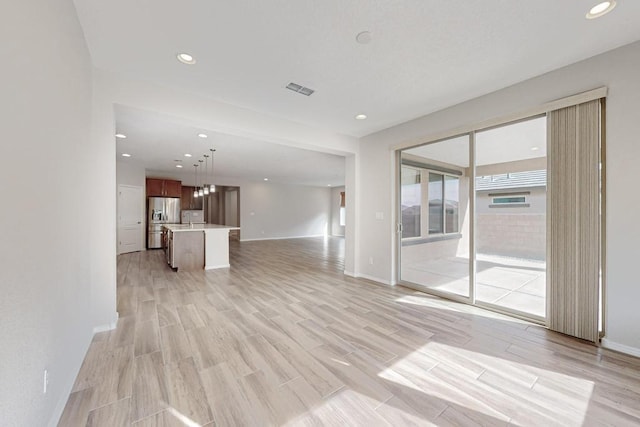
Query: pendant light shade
[[212, 187], [200, 190], [195, 175], [206, 174]]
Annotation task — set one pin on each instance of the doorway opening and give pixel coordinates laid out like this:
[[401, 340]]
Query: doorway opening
[[223, 207]]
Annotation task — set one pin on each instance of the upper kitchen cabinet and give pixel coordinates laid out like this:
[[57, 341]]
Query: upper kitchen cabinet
[[172, 188], [188, 201], [155, 187], [163, 188]]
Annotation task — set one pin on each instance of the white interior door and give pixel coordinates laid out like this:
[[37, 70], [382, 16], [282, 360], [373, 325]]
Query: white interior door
[[130, 219]]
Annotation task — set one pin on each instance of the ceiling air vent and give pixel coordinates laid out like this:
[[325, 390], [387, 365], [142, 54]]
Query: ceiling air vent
[[300, 89]]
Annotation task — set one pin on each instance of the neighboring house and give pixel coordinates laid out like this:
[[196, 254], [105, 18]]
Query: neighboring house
[[511, 214]]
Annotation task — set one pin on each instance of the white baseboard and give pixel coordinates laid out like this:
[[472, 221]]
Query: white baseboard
[[611, 345], [213, 267], [374, 279], [282, 238], [366, 276], [107, 327], [66, 389], [57, 412]]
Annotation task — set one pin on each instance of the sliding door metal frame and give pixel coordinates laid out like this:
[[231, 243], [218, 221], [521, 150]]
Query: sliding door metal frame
[[511, 312], [472, 217], [398, 201], [603, 215]]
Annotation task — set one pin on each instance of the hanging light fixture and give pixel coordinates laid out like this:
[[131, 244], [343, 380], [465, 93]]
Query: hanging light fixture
[[201, 190], [206, 174], [195, 174], [212, 188]]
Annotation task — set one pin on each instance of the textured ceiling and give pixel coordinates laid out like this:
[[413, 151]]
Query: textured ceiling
[[425, 54]]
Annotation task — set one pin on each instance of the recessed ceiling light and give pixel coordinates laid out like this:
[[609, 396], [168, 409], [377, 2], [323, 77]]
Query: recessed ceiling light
[[361, 116], [121, 135], [187, 155], [535, 148], [185, 58], [328, 185], [126, 155], [364, 37], [203, 135], [601, 9], [266, 179], [178, 166]]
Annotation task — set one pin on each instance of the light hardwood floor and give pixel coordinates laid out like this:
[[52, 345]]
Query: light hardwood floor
[[284, 338]]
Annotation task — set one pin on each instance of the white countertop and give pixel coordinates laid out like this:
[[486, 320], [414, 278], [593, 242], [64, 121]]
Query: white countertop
[[198, 227]]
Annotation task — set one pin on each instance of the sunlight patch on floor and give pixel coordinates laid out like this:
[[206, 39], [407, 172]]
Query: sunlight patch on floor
[[186, 421], [484, 378]]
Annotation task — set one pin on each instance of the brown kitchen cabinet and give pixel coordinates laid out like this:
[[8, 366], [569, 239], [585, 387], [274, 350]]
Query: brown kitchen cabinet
[[163, 188], [172, 188], [187, 201]]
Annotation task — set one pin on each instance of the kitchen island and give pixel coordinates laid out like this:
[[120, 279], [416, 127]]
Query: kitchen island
[[198, 246]]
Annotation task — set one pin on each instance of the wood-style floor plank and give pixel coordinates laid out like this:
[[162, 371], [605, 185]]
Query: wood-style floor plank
[[283, 337], [115, 414], [150, 393], [186, 394]]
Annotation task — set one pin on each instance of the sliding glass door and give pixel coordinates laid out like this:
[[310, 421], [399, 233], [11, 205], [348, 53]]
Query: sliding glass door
[[435, 217], [483, 243], [510, 217]]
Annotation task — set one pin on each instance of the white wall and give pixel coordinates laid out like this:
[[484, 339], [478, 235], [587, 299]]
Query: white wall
[[619, 70], [130, 173], [352, 202], [273, 211], [336, 229], [47, 251]]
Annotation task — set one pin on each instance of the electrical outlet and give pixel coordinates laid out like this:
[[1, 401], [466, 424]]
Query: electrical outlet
[[45, 382], [371, 260]]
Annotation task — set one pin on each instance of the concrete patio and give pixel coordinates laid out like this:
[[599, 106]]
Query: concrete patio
[[515, 284]]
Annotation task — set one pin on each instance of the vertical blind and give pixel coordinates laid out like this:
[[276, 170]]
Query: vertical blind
[[573, 226]]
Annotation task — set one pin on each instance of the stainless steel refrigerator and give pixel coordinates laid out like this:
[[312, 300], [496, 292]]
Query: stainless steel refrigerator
[[160, 210]]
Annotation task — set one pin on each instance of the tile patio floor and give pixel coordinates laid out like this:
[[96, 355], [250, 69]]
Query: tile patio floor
[[512, 283]]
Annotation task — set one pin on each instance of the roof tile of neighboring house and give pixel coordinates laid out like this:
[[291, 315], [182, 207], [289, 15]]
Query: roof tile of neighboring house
[[512, 180]]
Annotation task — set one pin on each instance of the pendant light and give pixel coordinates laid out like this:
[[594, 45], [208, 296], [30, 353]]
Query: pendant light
[[212, 187], [200, 190], [206, 174], [195, 174]]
